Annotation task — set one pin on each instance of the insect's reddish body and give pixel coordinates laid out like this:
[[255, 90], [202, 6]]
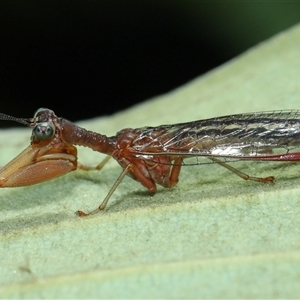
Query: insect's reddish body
[[154, 155]]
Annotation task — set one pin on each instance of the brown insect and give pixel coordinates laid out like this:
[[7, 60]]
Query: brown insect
[[154, 155]]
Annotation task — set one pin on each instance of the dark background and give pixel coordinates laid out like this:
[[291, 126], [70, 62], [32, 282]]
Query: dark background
[[90, 58]]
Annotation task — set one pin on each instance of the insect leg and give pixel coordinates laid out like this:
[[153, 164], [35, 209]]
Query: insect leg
[[174, 175], [269, 179], [98, 167], [106, 199]]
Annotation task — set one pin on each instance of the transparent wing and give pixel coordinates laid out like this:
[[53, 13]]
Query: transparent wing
[[242, 136]]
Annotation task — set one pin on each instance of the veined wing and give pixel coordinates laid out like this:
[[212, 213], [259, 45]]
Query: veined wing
[[250, 134]]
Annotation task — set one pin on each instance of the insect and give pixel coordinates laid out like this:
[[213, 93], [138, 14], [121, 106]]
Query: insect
[[154, 155]]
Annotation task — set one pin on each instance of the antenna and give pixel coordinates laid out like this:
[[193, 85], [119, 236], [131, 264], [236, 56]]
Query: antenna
[[5, 117]]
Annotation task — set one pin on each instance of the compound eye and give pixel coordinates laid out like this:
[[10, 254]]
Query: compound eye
[[44, 131]]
